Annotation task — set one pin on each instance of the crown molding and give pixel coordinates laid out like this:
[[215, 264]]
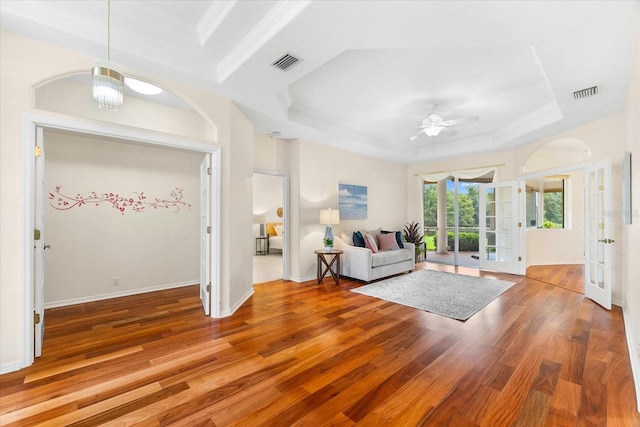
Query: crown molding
[[277, 18], [212, 18]]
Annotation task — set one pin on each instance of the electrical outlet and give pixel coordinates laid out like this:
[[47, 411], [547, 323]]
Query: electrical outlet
[[116, 281]]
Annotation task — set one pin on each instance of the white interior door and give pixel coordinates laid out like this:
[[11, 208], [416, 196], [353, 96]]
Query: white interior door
[[205, 234], [499, 228], [39, 244], [598, 233]]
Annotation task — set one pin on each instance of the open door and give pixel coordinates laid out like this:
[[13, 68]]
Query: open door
[[499, 228], [205, 234], [39, 245], [598, 233]]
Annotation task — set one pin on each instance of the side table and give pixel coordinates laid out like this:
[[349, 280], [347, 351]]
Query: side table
[[325, 265], [262, 245]]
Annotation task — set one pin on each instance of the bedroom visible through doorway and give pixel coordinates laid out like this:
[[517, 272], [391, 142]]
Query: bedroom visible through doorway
[[268, 239]]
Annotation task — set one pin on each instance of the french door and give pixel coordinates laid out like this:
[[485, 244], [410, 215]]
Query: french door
[[598, 233], [500, 248]]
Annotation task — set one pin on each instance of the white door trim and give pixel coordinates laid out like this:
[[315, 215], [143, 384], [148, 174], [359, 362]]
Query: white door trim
[[30, 121]]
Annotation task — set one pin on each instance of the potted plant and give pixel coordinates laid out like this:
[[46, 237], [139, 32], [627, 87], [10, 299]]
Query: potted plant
[[412, 234], [328, 244]]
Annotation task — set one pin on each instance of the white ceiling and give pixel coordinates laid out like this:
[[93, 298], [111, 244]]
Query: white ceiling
[[371, 71]]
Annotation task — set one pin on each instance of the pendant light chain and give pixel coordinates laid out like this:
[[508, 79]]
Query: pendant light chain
[[108, 30]]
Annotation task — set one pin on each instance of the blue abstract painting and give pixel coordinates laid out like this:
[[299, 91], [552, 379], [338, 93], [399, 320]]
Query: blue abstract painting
[[352, 201]]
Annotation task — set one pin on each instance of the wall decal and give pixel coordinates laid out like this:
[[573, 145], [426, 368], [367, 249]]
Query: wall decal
[[136, 203]]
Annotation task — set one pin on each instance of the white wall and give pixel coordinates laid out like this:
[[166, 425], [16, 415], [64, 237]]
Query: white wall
[[631, 232], [267, 196], [150, 249], [26, 64]]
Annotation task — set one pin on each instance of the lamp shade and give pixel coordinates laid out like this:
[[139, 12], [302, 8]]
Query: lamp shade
[[329, 216], [259, 218]]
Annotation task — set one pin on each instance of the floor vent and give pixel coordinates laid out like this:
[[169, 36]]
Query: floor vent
[[286, 61], [584, 93]]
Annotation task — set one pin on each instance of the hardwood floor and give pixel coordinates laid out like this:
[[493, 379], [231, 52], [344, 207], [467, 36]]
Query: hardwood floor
[[307, 354], [568, 276]]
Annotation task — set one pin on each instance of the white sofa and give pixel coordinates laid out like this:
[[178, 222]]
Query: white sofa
[[362, 264]]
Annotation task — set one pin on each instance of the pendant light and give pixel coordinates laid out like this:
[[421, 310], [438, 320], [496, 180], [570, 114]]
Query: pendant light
[[108, 81]]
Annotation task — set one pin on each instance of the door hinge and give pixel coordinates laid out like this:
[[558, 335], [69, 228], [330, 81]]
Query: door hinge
[[519, 190], [209, 287], [519, 258], [36, 234], [208, 171], [38, 151], [36, 318], [208, 229], [519, 225]]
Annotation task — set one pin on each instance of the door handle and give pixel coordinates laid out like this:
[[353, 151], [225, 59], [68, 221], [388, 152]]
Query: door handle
[[47, 246], [606, 241]]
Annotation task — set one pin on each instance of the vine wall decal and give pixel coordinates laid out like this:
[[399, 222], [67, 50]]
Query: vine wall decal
[[136, 203]]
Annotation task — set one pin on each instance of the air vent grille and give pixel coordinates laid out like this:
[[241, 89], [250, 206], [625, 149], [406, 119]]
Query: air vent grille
[[586, 92], [286, 61]]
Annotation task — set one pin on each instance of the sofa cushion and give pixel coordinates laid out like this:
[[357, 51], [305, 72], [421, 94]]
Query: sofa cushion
[[374, 234], [387, 242], [358, 239], [398, 235], [390, 257], [370, 243], [347, 237]]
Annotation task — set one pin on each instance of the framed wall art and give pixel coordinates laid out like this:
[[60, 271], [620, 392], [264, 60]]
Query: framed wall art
[[352, 201]]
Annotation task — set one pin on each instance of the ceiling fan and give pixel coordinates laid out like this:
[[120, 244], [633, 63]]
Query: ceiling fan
[[435, 125]]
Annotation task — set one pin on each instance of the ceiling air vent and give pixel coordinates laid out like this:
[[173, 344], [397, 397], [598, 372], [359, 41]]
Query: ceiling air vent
[[586, 92], [286, 61]]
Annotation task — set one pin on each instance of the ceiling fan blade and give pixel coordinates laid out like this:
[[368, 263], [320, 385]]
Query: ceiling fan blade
[[447, 131], [461, 120]]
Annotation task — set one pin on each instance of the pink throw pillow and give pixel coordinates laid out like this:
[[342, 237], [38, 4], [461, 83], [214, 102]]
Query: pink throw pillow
[[388, 242], [370, 243]]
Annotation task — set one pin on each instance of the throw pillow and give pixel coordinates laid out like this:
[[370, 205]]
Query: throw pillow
[[387, 241], [375, 233], [370, 242], [279, 231], [358, 239], [347, 237], [398, 237]]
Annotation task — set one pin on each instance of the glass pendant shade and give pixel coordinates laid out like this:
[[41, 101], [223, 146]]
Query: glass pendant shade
[[108, 83]]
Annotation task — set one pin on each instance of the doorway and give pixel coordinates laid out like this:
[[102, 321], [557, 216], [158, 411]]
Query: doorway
[[452, 204], [269, 239], [34, 258]]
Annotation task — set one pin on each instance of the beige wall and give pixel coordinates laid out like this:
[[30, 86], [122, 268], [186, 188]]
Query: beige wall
[[155, 248], [318, 172], [22, 70]]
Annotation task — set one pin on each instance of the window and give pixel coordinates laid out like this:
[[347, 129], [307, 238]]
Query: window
[[546, 203]]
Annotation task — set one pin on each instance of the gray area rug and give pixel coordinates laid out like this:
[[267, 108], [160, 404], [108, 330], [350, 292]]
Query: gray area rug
[[447, 294]]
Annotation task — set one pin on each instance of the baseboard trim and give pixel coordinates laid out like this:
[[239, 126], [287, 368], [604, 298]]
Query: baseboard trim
[[5, 368], [634, 357], [237, 305], [302, 279], [125, 293]]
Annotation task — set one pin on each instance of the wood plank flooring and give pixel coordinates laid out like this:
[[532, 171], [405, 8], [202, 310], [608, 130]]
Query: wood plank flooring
[[567, 276], [314, 355]]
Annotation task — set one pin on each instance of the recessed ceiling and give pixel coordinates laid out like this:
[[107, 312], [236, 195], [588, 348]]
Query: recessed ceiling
[[372, 70]]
